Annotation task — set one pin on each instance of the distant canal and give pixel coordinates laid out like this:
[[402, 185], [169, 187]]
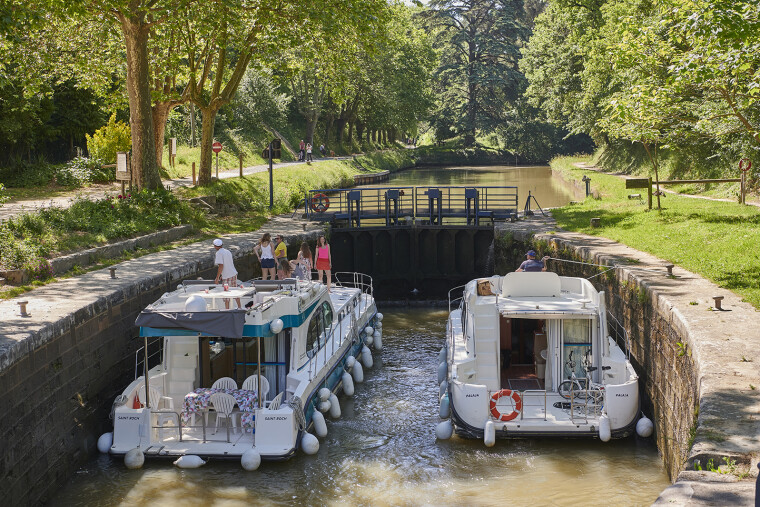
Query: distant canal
[[383, 451], [549, 192]]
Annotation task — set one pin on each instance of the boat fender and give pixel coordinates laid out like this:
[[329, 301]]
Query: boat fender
[[605, 432], [350, 360], [489, 434], [189, 461], [644, 427], [377, 334], [378, 326], [358, 373], [443, 388], [378, 342], [369, 330], [309, 444], [334, 407], [134, 458], [444, 430], [442, 355], [276, 326], [320, 426], [442, 371], [348, 384], [105, 441], [324, 394], [251, 459], [379, 317], [367, 357], [323, 406], [369, 339], [444, 410]]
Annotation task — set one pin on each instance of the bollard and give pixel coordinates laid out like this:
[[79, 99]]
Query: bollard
[[113, 272], [669, 267], [193, 173], [22, 305], [717, 300], [587, 180], [240, 158], [596, 222]]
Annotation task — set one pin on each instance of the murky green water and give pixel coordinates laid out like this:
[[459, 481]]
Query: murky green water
[[548, 191], [383, 452]]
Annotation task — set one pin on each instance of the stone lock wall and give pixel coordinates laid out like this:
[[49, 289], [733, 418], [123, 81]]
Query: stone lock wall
[[668, 380]]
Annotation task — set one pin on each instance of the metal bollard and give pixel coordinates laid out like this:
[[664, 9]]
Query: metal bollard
[[669, 267], [22, 305], [717, 300], [113, 271]]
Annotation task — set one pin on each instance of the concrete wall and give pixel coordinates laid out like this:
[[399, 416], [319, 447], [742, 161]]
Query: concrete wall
[[61, 368]]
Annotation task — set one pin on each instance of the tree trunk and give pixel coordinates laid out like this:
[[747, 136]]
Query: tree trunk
[[350, 136], [359, 130], [311, 125], [144, 168], [374, 136], [208, 116], [192, 125], [340, 125], [653, 159], [160, 115]]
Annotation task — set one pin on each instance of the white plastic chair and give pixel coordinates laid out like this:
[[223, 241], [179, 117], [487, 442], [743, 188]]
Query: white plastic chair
[[225, 383], [223, 405], [156, 401], [275, 404], [252, 384]]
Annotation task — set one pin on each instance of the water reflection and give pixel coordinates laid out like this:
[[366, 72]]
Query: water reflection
[[383, 452]]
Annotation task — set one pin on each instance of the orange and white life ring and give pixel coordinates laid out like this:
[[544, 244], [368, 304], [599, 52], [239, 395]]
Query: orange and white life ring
[[320, 203], [515, 398]]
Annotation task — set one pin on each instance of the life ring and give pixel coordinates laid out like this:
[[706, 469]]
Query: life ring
[[515, 397], [320, 203]]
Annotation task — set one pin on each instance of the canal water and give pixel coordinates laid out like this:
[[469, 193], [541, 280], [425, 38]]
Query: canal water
[[383, 451], [549, 192]]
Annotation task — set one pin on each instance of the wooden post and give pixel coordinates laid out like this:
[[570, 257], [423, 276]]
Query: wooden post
[[743, 192], [193, 173], [240, 158], [649, 194]]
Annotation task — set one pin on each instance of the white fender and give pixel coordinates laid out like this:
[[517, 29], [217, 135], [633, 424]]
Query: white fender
[[378, 342], [379, 317], [644, 427], [324, 406], [605, 431], [378, 325], [358, 373], [134, 458], [443, 388], [348, 384], [489, 434], [369, 330], [442, 372], [350, 360], [442, 355], [251, 459], [367, 357], [444, 410], [320, 426], [444, 430], [189, 461], [334, 407], [324, 394], [105, 441], [369, 339], [309, 444]]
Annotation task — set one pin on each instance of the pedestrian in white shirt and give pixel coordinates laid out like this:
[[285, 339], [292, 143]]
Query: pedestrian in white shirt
[[226, 273]]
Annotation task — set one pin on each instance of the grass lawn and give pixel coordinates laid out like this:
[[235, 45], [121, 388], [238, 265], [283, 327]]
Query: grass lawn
[[718, 240]]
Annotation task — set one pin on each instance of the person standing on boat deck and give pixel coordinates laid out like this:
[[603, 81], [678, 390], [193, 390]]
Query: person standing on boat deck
[[532, 264], [226, 273], [324, 260], [265, 252], [280, 252]]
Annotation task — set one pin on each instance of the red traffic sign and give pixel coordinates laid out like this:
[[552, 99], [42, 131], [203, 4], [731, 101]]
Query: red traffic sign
[[745, 164], [217, 146]]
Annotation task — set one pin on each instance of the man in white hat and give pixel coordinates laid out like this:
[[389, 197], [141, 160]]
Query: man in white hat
[[226, 274]]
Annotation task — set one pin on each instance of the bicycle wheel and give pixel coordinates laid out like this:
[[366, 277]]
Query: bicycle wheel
[[569, 388]]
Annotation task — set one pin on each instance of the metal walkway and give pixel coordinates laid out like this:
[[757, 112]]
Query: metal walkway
[[393, 206]]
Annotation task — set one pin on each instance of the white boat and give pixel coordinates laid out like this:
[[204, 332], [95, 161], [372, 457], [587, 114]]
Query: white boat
[[292, 338], [527, 355]]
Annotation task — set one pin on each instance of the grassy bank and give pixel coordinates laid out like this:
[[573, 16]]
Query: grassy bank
[[386, 160], [717, 240]]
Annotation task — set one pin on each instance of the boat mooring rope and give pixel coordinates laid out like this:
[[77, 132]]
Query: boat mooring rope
[[118, 402], [609, 268], [296, 404]]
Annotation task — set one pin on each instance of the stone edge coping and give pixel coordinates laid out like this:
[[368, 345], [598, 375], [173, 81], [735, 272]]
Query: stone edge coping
[[56, 307], [717, 340]]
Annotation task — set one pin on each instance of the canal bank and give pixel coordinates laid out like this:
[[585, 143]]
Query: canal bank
[[697, 362]]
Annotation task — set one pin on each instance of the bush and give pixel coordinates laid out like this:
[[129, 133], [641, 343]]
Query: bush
[[25, 174], [108, 140], [3, 197], [81, 171]]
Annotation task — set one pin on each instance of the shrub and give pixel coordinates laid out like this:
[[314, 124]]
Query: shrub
[[25, 174], [3, 197], [108, 140], [81, 170]]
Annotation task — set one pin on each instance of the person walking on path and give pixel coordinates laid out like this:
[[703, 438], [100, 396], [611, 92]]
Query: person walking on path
[[301, 150], [322, 150], [308, 153], [226, 272], [532, 264], [265, 252], [304, 262], [280, 252], [324, 260]]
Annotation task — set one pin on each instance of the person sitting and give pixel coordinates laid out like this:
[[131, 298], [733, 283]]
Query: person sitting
[[531, 264], [286, 268]]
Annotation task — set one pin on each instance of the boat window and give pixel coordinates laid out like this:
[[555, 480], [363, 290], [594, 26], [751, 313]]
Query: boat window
[[327, 314], [576, 353], [316, 326]]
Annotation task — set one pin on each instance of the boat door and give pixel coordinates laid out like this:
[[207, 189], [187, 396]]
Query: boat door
[[576, 347]]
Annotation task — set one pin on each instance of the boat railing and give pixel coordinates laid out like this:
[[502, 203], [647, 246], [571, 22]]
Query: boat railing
[[154, 358], [456, 295], [534, 393], [580, 409], [338, 326], [619, 334], [355, 280]]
